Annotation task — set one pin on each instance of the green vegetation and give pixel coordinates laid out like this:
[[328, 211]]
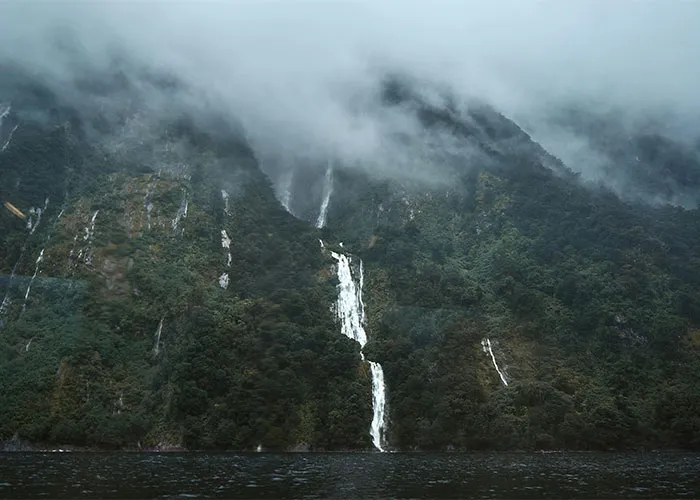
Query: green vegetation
[[258, 362], [592, 306]]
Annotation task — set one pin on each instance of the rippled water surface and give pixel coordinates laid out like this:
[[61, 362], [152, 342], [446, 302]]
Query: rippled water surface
[[345, 475]]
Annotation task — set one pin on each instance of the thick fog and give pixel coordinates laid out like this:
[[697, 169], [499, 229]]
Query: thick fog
[[302, 75]]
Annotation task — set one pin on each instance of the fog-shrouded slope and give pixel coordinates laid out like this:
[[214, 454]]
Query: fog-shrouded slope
[[163, 296], [518, 307], [649, 158], [143, 325]]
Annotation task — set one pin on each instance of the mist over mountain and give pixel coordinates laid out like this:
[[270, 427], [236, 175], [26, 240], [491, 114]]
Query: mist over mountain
[[381, 225], [304, 80]]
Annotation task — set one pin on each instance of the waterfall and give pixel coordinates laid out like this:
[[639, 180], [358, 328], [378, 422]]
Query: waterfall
[[223, 281], [486, 346], [29, 286], [349, 303], [327, 191], [226, 243], [286, 188], [149, 208], [148, 205], [4, 112], [90, 229], [350, 311], [378, 404], [89, 233], [9, 138], [181, 213], [225, 197], [6, 302], [156, 348]]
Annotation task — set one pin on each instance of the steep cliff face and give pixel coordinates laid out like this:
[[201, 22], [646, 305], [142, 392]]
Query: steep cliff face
[[517, 307], [156, 292]]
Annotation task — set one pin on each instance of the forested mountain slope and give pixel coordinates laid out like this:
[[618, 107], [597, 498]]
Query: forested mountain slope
[[162, 295]]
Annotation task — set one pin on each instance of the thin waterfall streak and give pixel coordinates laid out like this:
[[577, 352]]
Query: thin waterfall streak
[[9, 138], [5, 304], [29, 286], [225, 198], [327, 191], [486, 346], [181, 213], [156, 347], [286, 194]]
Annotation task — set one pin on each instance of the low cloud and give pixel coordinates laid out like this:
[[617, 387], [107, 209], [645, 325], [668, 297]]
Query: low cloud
[[302, 77]]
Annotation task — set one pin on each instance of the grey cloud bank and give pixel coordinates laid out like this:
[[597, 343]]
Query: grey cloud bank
[[302, 75]]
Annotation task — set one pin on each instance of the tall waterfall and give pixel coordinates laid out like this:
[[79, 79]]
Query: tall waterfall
[[486, 346], [351, 313], [327, 191]]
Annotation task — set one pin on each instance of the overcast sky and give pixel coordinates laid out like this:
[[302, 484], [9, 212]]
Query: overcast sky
[[289, 68]]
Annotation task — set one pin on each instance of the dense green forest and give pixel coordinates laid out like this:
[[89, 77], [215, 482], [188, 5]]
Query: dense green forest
[[128, 338]]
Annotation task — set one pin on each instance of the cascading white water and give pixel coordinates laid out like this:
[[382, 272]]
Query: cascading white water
[[223, 281], [226, 243], [29, 286], [486, 346], [351, 313], [181, 213], [349, 304], [89, 233], [378, 425], [327, 191], [286, 188], [225, 197]]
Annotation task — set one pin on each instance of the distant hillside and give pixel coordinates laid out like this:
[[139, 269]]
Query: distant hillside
[[158, 294]]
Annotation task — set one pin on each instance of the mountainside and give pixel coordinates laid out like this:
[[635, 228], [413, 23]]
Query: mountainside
[[158, 294]]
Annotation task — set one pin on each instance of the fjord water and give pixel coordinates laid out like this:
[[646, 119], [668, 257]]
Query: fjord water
[[349, 475]]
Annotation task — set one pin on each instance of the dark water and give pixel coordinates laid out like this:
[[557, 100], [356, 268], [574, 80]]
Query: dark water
[[341, 475]]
